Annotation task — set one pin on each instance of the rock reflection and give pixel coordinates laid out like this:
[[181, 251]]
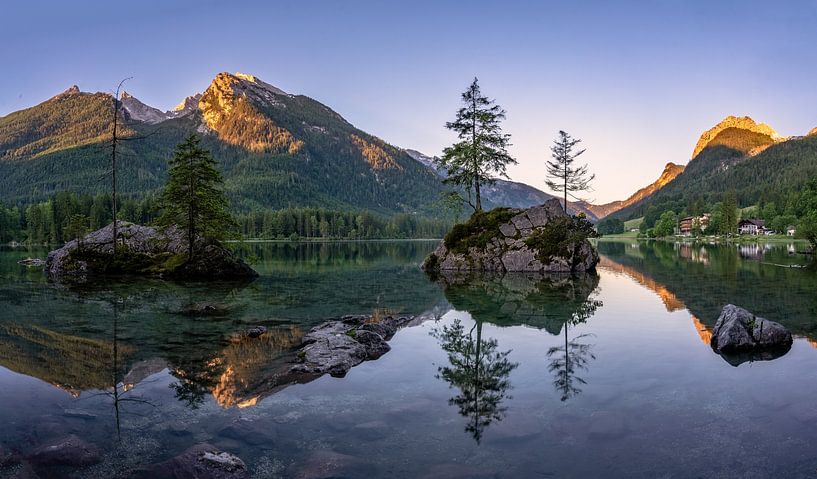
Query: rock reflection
[[479, 371], [545, 302], [554, 303]]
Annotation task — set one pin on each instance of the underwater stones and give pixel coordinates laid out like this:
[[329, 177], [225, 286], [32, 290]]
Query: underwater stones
[[66, 451], [204, 309], [256, 331], [202, 461], [249, 432], [324, 464]]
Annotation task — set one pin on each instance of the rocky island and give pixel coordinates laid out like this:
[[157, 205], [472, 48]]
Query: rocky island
[[143, 251], [541, 239]]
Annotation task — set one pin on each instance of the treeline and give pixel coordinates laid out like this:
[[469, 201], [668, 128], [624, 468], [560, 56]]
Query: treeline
[[322, 223], [66, 215]]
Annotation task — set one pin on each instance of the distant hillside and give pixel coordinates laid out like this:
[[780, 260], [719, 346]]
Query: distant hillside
[[741, 155], [671, 170], [275, 149]]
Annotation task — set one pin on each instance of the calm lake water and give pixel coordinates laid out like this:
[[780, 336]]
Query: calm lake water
[[609, 375]]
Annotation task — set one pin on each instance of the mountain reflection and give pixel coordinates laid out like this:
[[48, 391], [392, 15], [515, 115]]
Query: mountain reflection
[[702, 278], [479, 371]]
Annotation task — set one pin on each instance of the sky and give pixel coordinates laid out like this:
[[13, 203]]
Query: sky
[[637, 82]]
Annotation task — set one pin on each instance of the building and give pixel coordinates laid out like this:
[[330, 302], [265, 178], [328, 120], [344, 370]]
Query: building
[[752, 227], [693, 224], [791, 231]]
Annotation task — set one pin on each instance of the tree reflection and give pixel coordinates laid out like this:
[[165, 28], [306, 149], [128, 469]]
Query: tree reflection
[[574, 355], [479, 371]]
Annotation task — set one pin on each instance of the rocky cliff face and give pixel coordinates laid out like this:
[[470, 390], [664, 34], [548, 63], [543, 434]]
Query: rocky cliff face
[[740, 123], [541, 239]]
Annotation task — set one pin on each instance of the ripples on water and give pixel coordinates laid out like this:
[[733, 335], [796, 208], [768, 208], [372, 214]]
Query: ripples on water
[[606, 375]]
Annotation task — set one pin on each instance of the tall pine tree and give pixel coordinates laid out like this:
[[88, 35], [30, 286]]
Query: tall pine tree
[[193, 198], [562, 176], [481, 152]]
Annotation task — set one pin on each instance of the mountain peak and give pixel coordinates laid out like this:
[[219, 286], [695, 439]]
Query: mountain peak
[[140, 111], [248, 80], [72, 90], [741, 123]]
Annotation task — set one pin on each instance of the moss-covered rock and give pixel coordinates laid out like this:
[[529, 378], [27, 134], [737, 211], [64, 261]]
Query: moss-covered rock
[[144, 251], [538, 239]]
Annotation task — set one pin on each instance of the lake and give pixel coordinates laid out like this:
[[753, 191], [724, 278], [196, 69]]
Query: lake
[[607, 375]]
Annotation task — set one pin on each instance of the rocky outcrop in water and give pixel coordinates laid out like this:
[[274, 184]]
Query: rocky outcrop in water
[[145, 251], [541, 239], [335, 347], [740, 336]]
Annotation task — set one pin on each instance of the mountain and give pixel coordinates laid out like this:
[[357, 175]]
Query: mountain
[[738, 155], [671, 170], [275, 149], [508, 193]]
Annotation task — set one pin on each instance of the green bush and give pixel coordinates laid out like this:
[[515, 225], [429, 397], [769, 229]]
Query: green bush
[[560, 237], [478, 230]]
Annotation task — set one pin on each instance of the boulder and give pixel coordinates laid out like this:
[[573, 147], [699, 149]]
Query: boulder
[[335, 347], [202, 461], [143, 251], [507, 247], [67, 451], [741, 336]]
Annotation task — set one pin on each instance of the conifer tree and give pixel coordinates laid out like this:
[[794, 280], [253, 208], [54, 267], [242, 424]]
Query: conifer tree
[[729, 213], [481, 152], [562, 176], [193, 198]]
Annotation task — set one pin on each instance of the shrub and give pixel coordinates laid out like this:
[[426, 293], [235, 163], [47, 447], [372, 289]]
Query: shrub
[[478, 230], [561, 237]]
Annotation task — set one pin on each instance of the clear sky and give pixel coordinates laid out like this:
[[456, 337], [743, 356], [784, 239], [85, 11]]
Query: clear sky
[[636, 81]]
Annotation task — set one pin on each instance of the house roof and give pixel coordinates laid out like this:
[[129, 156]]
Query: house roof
[[752, 221]]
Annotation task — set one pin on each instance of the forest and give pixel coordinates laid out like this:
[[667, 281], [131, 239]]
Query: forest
[[54, 221]]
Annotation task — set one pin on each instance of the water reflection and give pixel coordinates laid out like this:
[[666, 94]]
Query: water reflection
[[568, 360], [703, 278], [545, 302], [479, 371], [555, 303]]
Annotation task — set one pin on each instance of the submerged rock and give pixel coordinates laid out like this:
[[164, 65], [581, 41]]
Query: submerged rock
[[541, 239], [740, 336], [67, 451], [202, 461], [324, 464], [256, 331], [204, 309], [143, 251], [335, 347], [32, 262]]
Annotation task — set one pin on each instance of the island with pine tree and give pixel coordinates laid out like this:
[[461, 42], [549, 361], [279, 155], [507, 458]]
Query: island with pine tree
[[186, 242]]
